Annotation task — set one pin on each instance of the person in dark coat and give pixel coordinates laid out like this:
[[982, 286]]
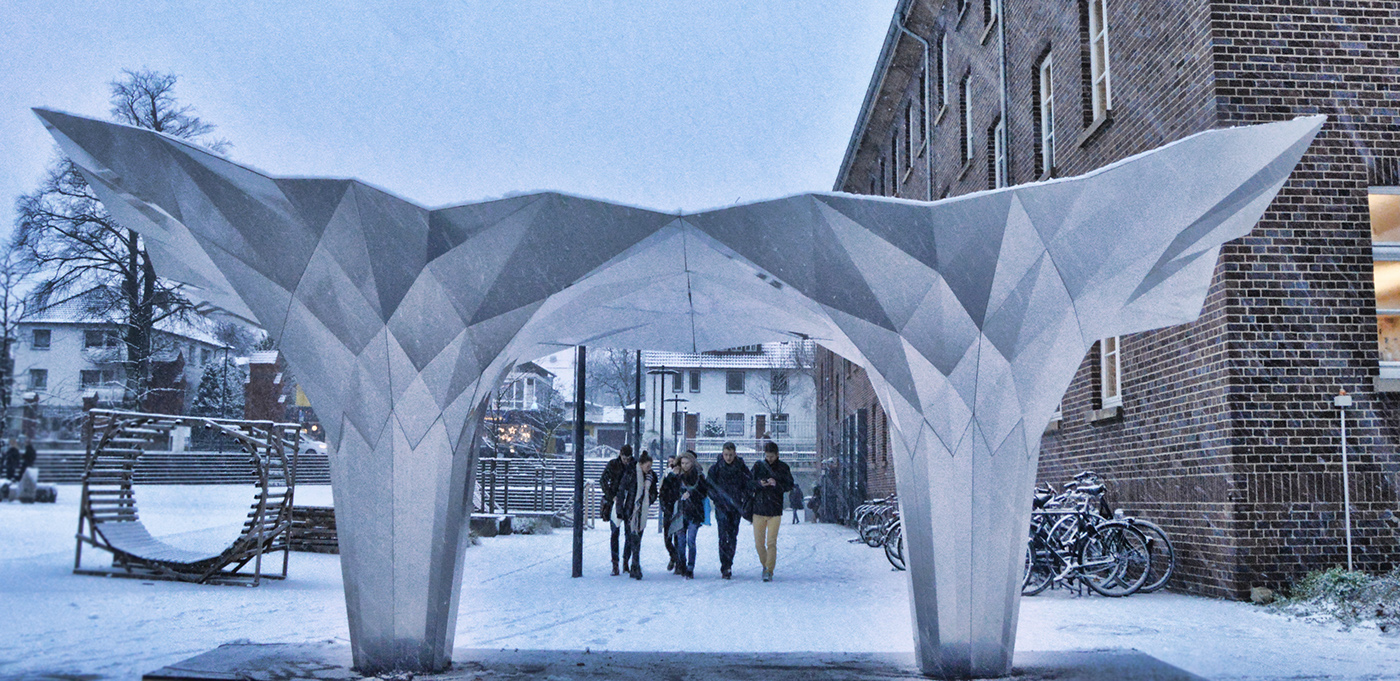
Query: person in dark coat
[[608, 483], [691, 506], [795, 502], [670, 494], [11, 467], [771, 481], [729, 489], [636, 492], [28, 458], [815, 503]]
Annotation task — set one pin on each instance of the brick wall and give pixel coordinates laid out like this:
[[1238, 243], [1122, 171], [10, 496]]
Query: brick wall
[[1226, 435]]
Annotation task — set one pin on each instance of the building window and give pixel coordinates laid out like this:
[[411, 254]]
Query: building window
[[205, 354], [991, 11], [944, 79], [678, 382], [1110, 372], [778, 382], [779, 425], [1099, 82], [38, 379], [734, 425], [897, 158], [41, 339], [1044, 117], [914, 122], [100, 338], [734, 382], [695, 381], [1385, 247], [96, 378], [884, 178], [996, 157], [965, 106]]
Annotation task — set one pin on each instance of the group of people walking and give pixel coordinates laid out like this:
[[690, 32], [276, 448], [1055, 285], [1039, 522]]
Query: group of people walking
[[733, 489]]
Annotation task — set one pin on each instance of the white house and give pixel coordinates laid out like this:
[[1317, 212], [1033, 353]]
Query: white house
[[60, 356], [745, 395]]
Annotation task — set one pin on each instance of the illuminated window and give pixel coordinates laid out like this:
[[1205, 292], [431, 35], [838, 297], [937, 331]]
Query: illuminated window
[[1385, 247]]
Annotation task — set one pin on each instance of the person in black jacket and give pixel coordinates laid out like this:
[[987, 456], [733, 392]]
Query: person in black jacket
[[11, 469], [795, 502], [772, 480], [729, 489], [636, 492], [693, 489], [608, 484], [670, 494], [28, 458]]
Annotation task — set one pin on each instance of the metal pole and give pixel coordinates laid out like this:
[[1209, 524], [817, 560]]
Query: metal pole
[[637, 408], [580, 363], [1346, 490]]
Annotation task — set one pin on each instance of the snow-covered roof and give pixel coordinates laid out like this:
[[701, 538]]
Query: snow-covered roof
[[70, 311], [784, 355]]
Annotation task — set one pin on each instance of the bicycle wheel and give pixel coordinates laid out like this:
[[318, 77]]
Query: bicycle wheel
[[1162, 552], [872, 532], [894, 547], [1038, 574], [1114, 559]]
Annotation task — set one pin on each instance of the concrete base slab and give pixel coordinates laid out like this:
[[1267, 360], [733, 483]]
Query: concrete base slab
[[331, 661]]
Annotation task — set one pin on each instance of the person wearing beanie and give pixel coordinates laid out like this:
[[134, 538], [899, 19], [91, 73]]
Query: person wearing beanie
[[693, 489]]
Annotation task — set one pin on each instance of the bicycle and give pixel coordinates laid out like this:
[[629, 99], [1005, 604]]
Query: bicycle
[[1110, 557]]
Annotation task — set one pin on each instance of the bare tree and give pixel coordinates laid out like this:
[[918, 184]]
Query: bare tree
[[612, 372], [14, 275], [86, 256], [790, 362]]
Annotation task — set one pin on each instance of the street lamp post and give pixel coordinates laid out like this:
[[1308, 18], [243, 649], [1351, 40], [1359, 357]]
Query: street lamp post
[[1342, 401], [580, 365]]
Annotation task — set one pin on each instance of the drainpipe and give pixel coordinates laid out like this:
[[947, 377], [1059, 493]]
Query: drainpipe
[[928, 115], [1005, 96]]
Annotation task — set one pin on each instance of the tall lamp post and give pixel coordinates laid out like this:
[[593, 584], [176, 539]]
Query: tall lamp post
[[580, 369], [1342, 401]]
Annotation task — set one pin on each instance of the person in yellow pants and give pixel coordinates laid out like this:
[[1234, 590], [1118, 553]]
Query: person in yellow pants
[[770, 483]]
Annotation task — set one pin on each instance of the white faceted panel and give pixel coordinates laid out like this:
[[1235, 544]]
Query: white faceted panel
[[970, 316]]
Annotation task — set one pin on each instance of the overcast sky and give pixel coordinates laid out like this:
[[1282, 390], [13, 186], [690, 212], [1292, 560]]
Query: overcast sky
[[665, 104]]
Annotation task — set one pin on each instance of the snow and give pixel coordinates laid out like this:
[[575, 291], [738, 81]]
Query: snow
[[829, 595]]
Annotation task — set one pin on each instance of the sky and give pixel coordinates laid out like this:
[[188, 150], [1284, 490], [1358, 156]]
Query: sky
[[665, 104]]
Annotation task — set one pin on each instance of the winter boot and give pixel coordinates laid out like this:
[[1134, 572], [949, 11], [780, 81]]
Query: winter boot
[[615, 570], [726, 574], [767, 575]]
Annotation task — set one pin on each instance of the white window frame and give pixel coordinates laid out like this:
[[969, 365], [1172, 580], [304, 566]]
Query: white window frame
[[912, 116], [1047, 115], [993, 12], [693, 380], [729, 381], [1100, 73], [999, 154], [966, 97], [945, 81], [1111, 356], [728, 422], [773, 427], [1385, 251]]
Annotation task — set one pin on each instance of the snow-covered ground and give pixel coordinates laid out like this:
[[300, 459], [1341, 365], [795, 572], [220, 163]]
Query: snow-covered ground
[[829, 595]]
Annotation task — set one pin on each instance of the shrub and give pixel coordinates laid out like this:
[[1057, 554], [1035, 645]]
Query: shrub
[[1347, 596]]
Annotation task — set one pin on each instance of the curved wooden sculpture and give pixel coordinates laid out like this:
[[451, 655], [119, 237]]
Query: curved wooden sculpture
[[109, 518]]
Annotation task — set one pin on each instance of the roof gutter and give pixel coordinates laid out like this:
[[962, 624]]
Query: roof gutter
[[872, 92]]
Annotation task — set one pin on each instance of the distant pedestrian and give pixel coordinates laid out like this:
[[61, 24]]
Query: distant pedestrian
[[694, 490], [636, 492], [28, 458], [670, 494], [772, 480], [11, 463], [815, 503], [608, 482], [795, 502], [729, 490]]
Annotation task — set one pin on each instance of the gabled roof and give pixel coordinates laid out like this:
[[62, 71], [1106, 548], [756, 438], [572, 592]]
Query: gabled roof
[[70, 311]]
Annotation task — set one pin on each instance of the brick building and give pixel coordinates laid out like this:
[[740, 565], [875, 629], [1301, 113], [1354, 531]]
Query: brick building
[[1222, 430]]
